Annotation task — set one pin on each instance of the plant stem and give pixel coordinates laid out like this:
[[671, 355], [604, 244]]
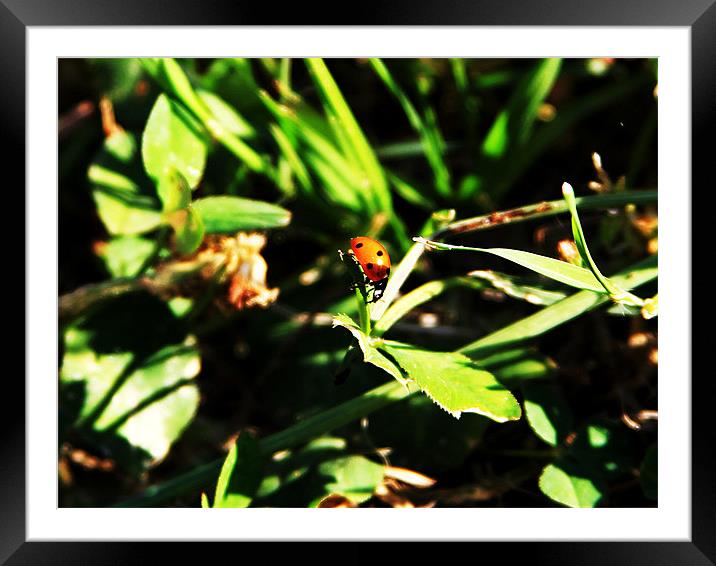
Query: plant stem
[[363, 311], [299, 433], [542, 210]]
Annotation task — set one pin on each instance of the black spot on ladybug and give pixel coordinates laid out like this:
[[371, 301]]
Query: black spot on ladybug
[[370, 267], [380, 253], [359, 245]]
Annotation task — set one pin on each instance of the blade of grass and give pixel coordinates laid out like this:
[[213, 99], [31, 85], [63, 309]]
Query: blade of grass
[[299, 433], [418, 296], [618, 295], [560, 312], [397, 278], [543, 210], [556, 269], [431, 143], [547, 134], [513, 125], [358, 147], [172, 78]]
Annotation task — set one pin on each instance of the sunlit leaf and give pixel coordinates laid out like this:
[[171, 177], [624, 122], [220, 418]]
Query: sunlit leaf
[[371, 355], [455, 383], [240, 475], [188, 229], [125, 200], [226, 214], [513, 125], [125, 256], [547, 412], [558, 270], [129, 370], [566, 483], [229, 117], [172, 139]]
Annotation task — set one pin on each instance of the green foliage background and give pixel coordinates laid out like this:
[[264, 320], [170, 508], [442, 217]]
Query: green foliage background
[[554, 386]]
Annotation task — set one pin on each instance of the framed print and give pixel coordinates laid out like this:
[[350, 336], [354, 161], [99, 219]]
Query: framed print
[[404, 267]]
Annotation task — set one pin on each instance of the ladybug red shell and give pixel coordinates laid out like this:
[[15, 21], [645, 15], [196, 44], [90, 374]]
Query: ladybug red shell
[[372, 257]]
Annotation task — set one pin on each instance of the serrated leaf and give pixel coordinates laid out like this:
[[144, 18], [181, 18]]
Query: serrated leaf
[[565, 483], [172, 139], [454, 382], [228, 214], [240, 475], [371, 355]]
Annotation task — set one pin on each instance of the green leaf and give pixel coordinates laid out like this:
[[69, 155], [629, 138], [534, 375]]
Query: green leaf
[[544, 138], [617, 294], [227, 214], [547, 412], [128, 370], [302, 478], [240, 475], [418, 296], [116, 78], [228, 116], [566, 483], [371, 355], [125, 256], [188, 229], [397, 277], [353, 477], [349, 133], [169, 74], [513, 125], [125, 202], [512, 287], [561, 271], [305, 133], [515, 367], [649, 473], [455, 383], [290, 478], [173, 191], [567, 309], [410, 193], [430, 136], [172, 139]]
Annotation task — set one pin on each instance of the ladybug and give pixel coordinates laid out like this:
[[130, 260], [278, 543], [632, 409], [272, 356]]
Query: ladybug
[[374, 260]]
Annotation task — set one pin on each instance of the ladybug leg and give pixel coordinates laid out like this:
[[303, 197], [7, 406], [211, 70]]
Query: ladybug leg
[[378, 290], [365, 283]]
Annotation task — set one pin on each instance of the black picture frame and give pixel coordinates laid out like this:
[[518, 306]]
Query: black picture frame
[[698, 15]]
